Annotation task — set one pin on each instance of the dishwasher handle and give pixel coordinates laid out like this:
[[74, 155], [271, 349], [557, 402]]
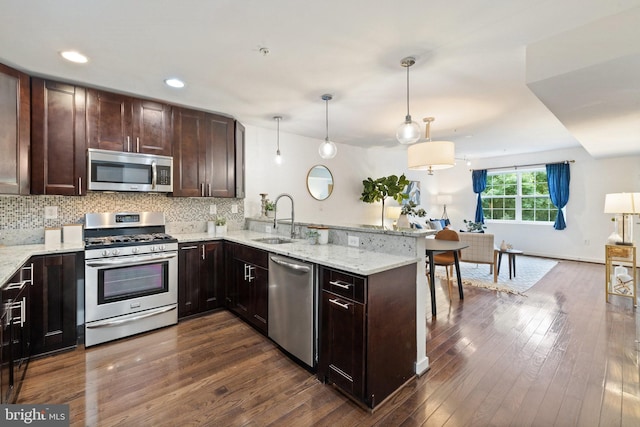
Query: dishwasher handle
[[291, 265]]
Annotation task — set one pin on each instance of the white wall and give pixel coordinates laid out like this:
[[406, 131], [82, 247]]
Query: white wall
[[583, 239], [349, 168]]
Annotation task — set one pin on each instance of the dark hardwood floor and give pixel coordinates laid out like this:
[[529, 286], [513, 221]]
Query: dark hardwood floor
[[559, 356]]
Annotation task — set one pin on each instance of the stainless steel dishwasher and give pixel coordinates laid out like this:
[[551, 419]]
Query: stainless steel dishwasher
[[292, 307]]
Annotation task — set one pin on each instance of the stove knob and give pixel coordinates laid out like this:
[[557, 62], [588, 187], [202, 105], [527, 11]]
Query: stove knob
[[105, 253], [135, 250], [162, 247], [115, 252], [152, 249]]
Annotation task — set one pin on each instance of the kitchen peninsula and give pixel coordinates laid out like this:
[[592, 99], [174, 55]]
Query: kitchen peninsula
[[380, 302]]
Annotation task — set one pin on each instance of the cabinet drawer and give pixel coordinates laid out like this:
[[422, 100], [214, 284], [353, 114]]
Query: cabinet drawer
[[343, 284], [625, 252], [251, 255]]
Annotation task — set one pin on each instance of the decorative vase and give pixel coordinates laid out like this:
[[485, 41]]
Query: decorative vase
[[504, 246], [403, 221], [270, 214]]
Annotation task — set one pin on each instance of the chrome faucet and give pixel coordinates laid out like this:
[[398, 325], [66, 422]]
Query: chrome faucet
[[275, 214]]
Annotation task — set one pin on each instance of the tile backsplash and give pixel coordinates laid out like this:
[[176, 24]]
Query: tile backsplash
[[22, 217]]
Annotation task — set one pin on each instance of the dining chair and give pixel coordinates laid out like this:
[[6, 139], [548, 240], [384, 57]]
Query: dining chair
[[446, 259]]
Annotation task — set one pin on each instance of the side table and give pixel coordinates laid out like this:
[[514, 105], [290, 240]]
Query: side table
[[620, 283], [512, 260]]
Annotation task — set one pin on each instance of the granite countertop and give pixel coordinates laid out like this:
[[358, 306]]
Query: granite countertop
[[346, 258], [13, 257], [350, 259]]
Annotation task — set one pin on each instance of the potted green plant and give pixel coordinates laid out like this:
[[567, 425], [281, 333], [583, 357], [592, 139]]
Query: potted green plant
[[312, 236], [381, 188], [475, 227], [270, 208], [409, 208], [221, 226]]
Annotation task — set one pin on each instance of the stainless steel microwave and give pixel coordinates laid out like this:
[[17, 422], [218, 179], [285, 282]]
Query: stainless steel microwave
[[121, 171]]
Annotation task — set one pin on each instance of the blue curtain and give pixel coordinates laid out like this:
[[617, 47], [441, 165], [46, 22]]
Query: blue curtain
[[479, 178], [558, 178]]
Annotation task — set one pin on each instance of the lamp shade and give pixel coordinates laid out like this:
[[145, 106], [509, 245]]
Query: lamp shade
[[431, 155], [393, 211], [622, 203]]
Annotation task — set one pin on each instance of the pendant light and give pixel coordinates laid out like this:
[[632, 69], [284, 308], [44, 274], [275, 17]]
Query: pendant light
[[431, 155], [409, 131], [278, 155], [327, 149]]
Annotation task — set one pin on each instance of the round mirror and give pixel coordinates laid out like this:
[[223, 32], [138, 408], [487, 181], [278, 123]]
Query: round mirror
[[320, 182]]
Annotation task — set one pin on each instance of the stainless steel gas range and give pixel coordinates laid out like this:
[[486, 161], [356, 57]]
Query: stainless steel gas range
[[131, 275]]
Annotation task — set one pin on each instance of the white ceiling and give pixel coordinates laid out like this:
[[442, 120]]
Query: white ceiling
[[470, 71]]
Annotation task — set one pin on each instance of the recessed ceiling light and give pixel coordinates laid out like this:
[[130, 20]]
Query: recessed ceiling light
[[173, 82], [73, 56]]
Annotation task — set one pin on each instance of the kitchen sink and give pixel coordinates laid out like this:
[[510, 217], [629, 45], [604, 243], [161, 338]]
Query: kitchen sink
[[273, 240]]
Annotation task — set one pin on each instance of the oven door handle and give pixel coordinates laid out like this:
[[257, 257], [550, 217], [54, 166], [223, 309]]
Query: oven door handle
[[136, 260], [109, 323]]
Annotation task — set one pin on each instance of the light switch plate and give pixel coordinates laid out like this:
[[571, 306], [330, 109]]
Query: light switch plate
[[267, 229], [50, 212], [213, 209], [234, 208], [353, 241]]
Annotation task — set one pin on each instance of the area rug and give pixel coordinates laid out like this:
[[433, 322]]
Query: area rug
[[529, 271]]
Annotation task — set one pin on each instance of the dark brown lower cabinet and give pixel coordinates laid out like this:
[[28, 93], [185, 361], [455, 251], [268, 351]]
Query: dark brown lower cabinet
[[53, 302], [248, 284], [368, 332], [200, 277]]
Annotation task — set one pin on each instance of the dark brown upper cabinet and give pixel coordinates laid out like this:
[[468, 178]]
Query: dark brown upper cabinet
[[239, 159], [203, 154], [122, 123], [14, 131], [58, 138]]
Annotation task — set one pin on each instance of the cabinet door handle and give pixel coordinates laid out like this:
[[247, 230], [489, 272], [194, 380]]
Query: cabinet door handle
[[340, 284], [22, 305], [30, 279], [79, 185], [14, 286], [188, 247], [23, 311], [137, 144], [339, 304], [202, 251], [209, 189], [128, 143], [247, 273], [202, 189]]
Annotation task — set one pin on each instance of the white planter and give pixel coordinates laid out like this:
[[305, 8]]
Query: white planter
[[221, 230], [403, 222]]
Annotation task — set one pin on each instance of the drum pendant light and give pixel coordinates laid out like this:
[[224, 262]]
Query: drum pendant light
[[278, 155], [409, 131], [327, 149]]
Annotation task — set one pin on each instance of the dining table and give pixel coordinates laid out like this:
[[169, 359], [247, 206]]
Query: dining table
[[436, 246]]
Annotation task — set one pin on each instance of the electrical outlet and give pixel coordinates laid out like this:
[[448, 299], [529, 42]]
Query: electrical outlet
[[353, 241], [234, 208], [267, 229], [213, 209], [50, 212]]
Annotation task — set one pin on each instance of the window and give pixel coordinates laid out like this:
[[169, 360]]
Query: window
[[518, 196]]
